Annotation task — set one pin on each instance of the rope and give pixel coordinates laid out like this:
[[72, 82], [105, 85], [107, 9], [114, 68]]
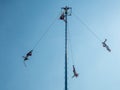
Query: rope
[[71, 51], [88, 28], [47, 30]]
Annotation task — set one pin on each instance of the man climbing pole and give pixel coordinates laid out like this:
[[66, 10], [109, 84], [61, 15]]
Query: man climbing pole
[[74, 72], [62, 17], [106, 46]]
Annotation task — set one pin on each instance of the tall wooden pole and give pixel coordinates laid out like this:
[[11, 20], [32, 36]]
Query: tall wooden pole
[[66, 10]]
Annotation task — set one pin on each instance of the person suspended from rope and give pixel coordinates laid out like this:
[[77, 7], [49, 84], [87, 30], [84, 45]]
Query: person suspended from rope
[[106, 46], [27, 55], [74, 72]]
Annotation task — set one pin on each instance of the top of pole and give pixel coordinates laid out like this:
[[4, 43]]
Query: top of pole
[[67, 10]]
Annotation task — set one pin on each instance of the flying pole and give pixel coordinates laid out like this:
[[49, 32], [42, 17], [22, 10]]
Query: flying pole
[[66, 12]]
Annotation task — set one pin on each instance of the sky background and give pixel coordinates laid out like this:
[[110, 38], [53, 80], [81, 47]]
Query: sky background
[[23, 22]]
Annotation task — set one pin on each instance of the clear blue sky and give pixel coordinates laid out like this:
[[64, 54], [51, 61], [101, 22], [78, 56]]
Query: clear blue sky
[[22, 23]]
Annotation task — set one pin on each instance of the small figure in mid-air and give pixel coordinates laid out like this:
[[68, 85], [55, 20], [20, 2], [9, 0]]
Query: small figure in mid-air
[[27, 55], [74, 72], [106, 46]]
